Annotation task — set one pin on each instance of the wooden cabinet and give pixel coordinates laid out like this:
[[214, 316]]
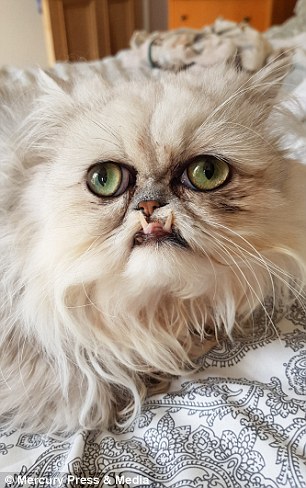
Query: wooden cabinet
[[197, 13], [88, 29]]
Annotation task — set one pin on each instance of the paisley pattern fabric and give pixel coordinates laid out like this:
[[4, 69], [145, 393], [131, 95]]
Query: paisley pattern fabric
[[239, 422]]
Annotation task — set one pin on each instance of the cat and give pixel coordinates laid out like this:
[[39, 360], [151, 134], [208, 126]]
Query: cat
[[138, 222]]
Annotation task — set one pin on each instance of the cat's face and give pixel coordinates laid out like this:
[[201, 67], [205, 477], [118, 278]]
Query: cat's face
[[171, 187]]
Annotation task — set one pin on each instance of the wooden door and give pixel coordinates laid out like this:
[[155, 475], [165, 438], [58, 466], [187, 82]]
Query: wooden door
[[88, 29]]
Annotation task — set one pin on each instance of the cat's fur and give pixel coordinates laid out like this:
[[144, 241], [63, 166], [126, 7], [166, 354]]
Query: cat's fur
[[88, 321]]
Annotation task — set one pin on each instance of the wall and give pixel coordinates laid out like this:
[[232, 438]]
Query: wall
[[158, 13], [22, 41]]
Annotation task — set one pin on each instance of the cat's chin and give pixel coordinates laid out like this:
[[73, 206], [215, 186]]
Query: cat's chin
[[154, 264], [166, 268]]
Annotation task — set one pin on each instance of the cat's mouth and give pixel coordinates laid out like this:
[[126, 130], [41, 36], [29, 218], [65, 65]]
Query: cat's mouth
[[158, 232]]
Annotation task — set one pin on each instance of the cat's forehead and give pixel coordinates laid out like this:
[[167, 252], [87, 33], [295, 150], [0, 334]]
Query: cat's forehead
[[151, 124], [156, 124]]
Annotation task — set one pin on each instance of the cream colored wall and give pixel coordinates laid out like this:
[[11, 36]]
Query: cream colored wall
[[22, 41]]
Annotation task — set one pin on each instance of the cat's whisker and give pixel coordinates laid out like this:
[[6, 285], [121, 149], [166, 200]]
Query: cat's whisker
[[240, 91], [259, 258], [90, 302], [268, 264], [255, 132], [250, 83], [108, 130], [246, 281], [212, 267], [224, 260], [249, 266], [299, 294]]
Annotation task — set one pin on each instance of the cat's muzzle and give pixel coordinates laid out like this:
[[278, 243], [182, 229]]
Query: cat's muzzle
[[158, 232]]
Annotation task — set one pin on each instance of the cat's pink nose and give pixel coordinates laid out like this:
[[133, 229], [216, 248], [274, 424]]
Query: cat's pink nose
[[148, 206]]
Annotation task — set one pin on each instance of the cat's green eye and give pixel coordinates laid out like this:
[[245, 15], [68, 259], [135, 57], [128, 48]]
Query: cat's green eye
[[205, 173], [108, 179]]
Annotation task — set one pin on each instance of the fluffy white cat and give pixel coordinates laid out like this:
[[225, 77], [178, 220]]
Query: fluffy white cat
[[136, 221]]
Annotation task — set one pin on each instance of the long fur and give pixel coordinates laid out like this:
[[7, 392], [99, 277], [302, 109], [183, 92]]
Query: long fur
[[91, 324]]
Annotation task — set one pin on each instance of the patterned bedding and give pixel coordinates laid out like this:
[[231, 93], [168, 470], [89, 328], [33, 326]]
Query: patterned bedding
[[239, 422]]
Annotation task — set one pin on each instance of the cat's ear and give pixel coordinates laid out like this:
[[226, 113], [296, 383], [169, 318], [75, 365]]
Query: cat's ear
[[77, 89], [49, 82], [53, 87], [54, 95], [51, 108], [265, 84]]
